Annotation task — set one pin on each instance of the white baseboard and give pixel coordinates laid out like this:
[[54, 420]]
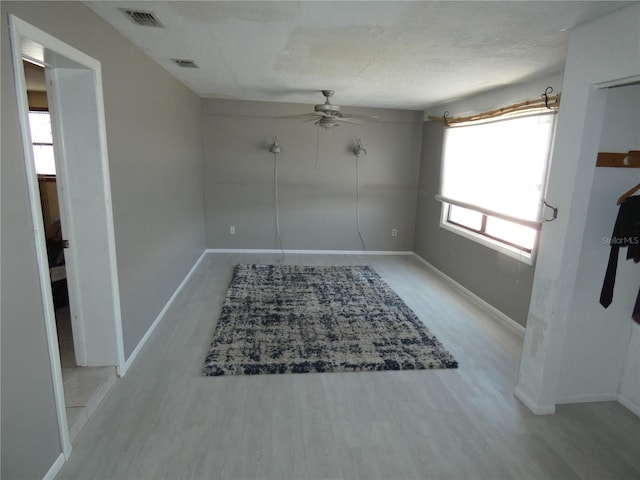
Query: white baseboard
[[587, 398], [308, 252], [632, 406], [129, 361], [487, 307], [601, 397], [533, 406], [55, 468]]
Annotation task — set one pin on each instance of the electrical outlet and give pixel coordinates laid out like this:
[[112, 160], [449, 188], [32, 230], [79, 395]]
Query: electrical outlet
[[232, 230], [394, 232]]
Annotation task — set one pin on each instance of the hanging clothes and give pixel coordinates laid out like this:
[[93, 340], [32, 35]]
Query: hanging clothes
[[626, 233]]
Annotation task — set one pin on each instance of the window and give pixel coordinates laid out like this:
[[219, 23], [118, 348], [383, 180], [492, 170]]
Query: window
[[42, 141], [511, 234], [493, 178]]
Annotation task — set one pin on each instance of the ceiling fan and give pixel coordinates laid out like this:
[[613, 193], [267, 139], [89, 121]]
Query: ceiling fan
[[327, 115]]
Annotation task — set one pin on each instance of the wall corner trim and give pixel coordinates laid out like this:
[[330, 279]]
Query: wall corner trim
[[487, 307], [533, 406], [55, 468], [129, 361], [629, 404]]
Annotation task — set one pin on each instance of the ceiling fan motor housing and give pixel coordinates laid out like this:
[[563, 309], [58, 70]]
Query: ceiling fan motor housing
[[328, 109]]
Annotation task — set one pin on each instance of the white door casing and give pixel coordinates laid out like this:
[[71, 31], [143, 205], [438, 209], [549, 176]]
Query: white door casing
[[74, 91]]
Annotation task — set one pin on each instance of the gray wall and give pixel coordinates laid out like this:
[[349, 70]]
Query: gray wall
[[317, 206], [501, 281], [30, 441], [153, 135]]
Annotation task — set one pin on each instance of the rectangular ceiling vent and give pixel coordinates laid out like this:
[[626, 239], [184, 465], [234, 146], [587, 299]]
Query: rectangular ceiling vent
[[181, 62], [139, 17]]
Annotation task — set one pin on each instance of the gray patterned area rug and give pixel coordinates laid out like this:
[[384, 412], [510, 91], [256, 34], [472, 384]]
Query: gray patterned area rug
[[299, 319]]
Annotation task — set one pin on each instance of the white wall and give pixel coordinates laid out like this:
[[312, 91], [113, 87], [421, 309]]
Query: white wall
[[602, 51], [629, 391], [597, 339]]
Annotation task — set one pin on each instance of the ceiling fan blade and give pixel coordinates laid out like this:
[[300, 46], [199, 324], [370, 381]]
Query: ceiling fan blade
[[355, 121], [301, 115], [371, 118]]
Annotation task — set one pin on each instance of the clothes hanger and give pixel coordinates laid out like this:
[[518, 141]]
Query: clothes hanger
[[625, 196]]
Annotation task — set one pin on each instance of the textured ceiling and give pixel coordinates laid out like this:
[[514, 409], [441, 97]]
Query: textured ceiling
[[387, 54]]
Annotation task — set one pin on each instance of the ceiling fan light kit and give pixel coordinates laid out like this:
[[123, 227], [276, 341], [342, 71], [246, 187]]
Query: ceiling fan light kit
[[327, 122]]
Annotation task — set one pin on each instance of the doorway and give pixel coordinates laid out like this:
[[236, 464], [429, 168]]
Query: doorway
[[84, 387], [43, 155], [74, 97]]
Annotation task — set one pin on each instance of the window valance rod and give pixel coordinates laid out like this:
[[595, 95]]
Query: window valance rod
[[545, 101]]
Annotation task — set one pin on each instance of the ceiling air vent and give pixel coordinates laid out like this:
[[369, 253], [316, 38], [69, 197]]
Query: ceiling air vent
[[139, 17], [181, 62]]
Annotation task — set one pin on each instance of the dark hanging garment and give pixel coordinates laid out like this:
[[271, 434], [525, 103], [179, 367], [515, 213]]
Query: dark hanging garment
[[626, 233]]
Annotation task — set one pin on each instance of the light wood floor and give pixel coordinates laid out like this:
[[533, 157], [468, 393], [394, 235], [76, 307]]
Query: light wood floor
[[165, 421]]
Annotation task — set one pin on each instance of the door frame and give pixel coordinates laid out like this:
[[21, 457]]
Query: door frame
[[91, 287]]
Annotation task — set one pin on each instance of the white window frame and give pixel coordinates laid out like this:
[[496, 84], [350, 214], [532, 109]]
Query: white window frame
[[489, 242], [484, 239], [41, 144]]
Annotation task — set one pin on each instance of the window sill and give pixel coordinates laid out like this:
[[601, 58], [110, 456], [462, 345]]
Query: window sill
[[527, 258]]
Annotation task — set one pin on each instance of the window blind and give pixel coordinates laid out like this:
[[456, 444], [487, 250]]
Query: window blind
[[498, 167]]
